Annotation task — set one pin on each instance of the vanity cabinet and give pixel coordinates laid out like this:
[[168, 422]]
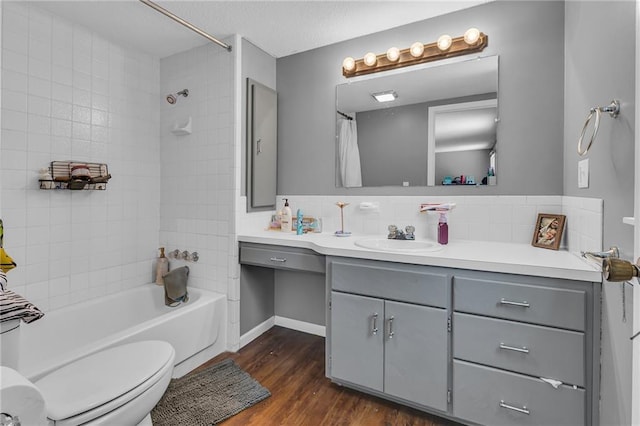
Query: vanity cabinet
[[389, 330], [478, 347], [524, 350]]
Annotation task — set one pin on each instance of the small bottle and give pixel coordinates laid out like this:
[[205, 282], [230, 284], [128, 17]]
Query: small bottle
[[299, 230], [285, 222], [443, 229], [162, 267]]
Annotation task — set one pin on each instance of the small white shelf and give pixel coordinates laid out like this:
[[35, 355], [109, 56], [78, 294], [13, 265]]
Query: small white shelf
[[629, 220], [182, 129]]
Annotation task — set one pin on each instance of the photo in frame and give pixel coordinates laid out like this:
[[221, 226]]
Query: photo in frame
[[548, 231]]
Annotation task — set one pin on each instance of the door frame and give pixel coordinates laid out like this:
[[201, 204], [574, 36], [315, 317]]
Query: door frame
[[635, 347]]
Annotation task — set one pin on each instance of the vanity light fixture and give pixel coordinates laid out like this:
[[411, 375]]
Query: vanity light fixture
[[472, 41], [386, 96]]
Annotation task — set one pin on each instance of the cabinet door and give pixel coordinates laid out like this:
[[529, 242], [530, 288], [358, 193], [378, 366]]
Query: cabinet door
[[416, 354], [356, 345]]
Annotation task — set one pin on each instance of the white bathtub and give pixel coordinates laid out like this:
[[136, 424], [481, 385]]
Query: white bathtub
[[196, 329]]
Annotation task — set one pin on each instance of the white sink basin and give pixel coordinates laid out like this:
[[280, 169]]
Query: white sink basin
[[403, 246]]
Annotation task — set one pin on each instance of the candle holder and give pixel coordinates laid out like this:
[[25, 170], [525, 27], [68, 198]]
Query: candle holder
[[342, 232]]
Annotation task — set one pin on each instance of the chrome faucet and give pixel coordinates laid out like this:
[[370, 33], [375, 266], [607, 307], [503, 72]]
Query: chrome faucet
[[399, 234]]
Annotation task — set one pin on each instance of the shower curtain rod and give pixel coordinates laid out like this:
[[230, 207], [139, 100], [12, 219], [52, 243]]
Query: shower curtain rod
[[192, 27]]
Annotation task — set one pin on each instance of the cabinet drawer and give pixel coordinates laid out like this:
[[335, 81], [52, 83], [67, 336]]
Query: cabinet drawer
[[557, 307], [406, 283], [488, 396], [524, 348], [282, 258]]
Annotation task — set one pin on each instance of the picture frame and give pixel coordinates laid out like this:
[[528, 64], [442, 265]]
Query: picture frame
[[548, 231]]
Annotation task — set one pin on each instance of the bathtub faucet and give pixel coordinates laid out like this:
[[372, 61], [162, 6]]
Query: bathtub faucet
[[184, 255]]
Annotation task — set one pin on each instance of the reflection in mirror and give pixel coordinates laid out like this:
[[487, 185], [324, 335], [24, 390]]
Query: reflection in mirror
[[390, 143], [462, 137]]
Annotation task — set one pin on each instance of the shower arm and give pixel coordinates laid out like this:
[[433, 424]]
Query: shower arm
[[181, 21]]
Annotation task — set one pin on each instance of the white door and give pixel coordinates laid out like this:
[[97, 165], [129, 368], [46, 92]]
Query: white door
[[635, 367]]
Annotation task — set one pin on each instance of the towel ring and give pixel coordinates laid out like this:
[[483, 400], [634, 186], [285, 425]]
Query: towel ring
[[613, 109]]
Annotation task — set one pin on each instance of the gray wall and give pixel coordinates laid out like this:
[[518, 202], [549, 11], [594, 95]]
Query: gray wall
[[598, 69], [526, 36], [393, 145]]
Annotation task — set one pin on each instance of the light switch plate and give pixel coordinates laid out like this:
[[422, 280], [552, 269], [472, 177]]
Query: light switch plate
[[583, 173]]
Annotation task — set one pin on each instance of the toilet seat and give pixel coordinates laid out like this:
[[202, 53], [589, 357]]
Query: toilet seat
[[105, 381]]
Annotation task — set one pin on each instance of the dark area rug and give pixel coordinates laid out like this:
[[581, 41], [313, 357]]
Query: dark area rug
[[208, 396]]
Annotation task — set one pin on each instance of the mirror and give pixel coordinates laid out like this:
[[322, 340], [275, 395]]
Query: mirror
[[440, 126]]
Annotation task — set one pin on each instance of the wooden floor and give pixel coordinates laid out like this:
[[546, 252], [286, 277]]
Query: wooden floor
[[291, 365]]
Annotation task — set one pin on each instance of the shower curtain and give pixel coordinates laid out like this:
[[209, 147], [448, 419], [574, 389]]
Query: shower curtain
[[349, 155]]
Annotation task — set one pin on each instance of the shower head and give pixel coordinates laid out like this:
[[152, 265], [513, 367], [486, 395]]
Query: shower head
[[172, 99]]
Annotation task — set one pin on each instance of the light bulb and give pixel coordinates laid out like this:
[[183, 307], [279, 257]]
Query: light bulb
[[370, 59], [349, 64], [416, 49], [471, 36], [444, 42], [393, 54]]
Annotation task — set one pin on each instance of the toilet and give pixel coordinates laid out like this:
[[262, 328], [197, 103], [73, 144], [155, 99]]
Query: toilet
[[116, 386]]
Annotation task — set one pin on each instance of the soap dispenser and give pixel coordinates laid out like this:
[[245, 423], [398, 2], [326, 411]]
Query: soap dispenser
[[162, 267], [285, 222], [299, 230], [443, 229]]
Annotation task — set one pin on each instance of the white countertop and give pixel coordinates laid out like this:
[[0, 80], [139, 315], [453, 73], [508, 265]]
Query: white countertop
[[510, 258]]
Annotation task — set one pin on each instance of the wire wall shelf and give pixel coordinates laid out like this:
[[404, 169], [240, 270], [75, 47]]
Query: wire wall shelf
[[76, 175]]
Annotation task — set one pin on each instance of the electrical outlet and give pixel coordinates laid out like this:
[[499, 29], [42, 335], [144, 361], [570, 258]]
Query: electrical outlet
[[583, 173]]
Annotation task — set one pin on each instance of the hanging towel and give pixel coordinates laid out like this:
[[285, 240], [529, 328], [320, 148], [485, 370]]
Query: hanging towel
[[3, 281], [14, 306], [6, 262], [349, 154], [175, 286]]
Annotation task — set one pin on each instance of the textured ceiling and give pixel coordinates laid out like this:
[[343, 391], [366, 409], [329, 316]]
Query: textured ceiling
[[280, 28]]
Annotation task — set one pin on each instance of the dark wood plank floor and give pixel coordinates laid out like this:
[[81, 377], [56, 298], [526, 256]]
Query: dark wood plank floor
[[291, 365]]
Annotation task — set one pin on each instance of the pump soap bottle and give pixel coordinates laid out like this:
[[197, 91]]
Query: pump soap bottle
[[162, 267], [285, 222], [443, 229]]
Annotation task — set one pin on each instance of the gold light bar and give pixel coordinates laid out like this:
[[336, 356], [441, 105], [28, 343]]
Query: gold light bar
[[418, 53]]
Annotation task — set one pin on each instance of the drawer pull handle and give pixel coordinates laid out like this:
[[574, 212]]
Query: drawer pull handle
[[374, 324], [523, 349], [522, 410], [278, 259], [524, 304], [391, 332]]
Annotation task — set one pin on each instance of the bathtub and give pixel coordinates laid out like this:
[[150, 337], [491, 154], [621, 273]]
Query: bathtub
[[196, 329]]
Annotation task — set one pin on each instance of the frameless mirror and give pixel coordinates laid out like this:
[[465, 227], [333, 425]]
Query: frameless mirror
[[438, 128]]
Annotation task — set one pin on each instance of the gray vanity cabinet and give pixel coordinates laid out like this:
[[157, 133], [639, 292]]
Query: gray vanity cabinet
[[477, 347], [384, 337]]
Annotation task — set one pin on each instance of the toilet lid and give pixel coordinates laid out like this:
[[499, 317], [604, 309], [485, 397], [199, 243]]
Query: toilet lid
[[99, 378]]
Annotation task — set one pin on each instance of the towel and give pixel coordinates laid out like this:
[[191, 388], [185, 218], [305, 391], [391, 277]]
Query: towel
[[175, 286], [14, 306], [6, 262], [3, 282]]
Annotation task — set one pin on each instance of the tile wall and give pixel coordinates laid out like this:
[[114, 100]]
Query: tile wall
[[198, 184], [68, 94], [489, 218]]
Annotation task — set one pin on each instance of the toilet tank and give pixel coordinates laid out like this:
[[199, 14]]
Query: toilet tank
[[10, 343]]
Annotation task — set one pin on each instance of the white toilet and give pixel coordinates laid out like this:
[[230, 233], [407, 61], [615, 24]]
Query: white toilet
[[117, 386]]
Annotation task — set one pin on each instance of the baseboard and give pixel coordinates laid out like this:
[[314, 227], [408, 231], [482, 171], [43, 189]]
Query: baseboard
[[256, 331], [305, 327]]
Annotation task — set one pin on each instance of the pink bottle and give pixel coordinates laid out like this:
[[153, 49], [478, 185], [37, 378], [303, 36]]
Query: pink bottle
[[443, 229]]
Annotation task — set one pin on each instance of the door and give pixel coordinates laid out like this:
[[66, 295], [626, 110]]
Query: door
[[263, 147], [635, 367], [357, 339], [416, 354]]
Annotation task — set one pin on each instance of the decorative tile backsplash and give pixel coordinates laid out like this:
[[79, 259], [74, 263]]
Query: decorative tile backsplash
[[488, 218]]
